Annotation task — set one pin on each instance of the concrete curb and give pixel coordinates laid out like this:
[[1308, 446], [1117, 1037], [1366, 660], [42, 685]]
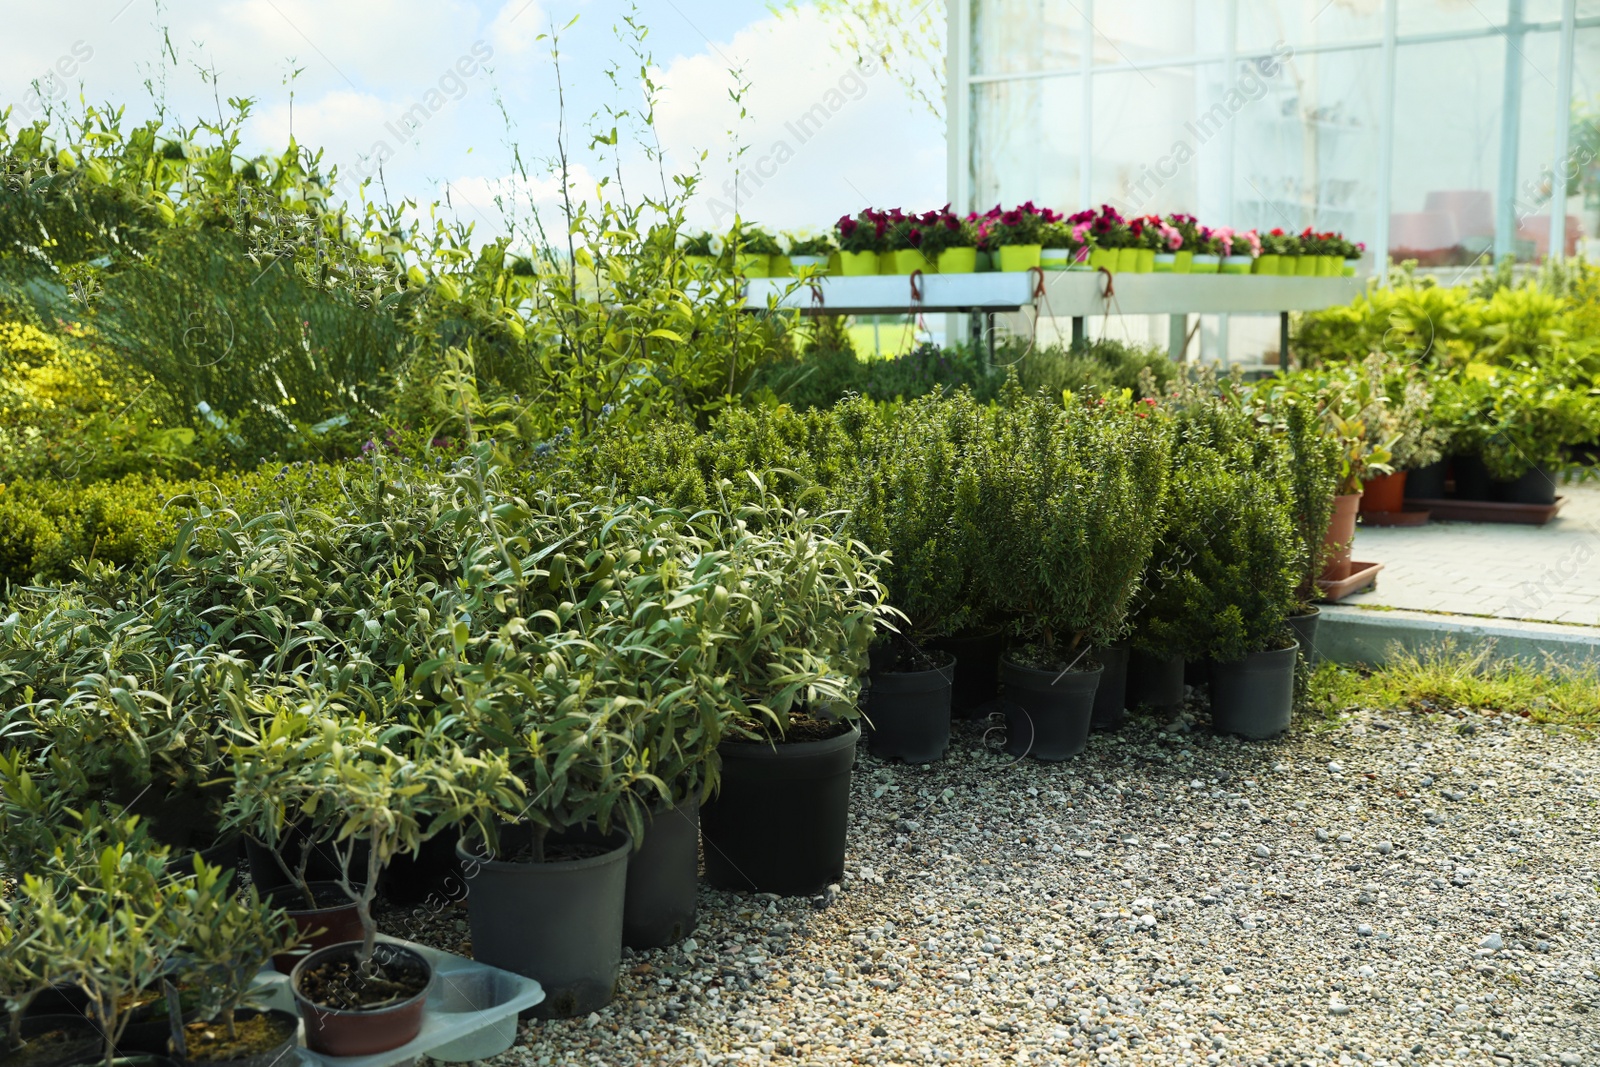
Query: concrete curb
[[1356, 635]]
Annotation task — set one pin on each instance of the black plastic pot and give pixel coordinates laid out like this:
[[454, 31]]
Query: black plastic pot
[[1305, 632], [1254, 697], [1196, 671], [779, 822], [278, 1056], [433, 874], [664, 879], [977, 683], [1110, 708], [1537, 486], [1427, 483], [360, 1033], [908, 713], [559, 922], [323, 866], [1047, 712], [149, 1029], [1472, 478], [224, 854], [1154, 680]]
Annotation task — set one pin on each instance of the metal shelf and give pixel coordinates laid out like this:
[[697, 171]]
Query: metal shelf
[[1066, 294]]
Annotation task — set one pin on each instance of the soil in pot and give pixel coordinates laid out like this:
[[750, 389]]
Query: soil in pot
[[1384, 493], [356, 1009], [1427, 483], [552, 911], [1254, 698], [1154, 680], [779, 822], [908, 707], [330, 911], [260, 1039], [1048, 711], [1536, 486], [977, 682], [1110, 696], [1341, 537], [54, 1041], [664, 879]]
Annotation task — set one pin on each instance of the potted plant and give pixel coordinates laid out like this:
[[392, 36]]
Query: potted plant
[[804, 620], [1231, 564], [1209, 248], [1065, 245], [1535, 417], [1243, 249], [903, 502], [751, 250], [30, 966], [1074, 499], [860, 240], [227, 939], [950, 242], [809, 254], [1190, 233], [1274, 247], [701, 251], [1355, 413], [1109, 234], [1416, 441], [1018, 234], [1152, 241], [376, 791], [1350, 253], [903, 253]]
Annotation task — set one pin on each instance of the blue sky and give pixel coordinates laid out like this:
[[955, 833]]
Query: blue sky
[[366, 65]]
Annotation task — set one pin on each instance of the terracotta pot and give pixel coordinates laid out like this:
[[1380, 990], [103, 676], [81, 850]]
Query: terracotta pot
[[1341, 537], [335, 1032], [1387, 493]]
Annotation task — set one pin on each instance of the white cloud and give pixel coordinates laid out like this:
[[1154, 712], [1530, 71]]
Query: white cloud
[[824, 138], [516, 26]]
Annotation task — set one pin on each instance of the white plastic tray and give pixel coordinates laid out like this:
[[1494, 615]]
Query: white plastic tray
[[471, 1012]]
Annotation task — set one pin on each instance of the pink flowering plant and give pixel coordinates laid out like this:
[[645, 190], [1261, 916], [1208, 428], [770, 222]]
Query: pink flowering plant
[[866, 232], [1107, 227], [944, 229], [1189, 230], [1069, 235], [1022, 225]]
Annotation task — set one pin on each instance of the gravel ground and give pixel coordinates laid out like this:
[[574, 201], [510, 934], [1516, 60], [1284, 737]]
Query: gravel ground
[[1392, 889]]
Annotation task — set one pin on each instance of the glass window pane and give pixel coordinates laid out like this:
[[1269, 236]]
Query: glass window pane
[[1585, 137], [1025, 143], [1151, 145], [1264, 23], [1010, 36], [1146, 32], [1308, 154], [1436, 16]]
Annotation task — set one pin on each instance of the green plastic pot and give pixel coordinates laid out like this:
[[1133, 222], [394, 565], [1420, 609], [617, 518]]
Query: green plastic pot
[[1164, 262], [1147, 260], [1307, 266], [749, 265], [1288, 266], [1015, 258], [1329, 266], [701, 264], [1267, 263], [802, 264], [1104, 258], [1349, 267], [1184, 264], [958, 261], [858, 264], [909, 261], [1236, 264], [1205, 264]]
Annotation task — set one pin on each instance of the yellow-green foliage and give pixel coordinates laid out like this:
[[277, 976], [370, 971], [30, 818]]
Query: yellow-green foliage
[[68, 410], [1447, 679]]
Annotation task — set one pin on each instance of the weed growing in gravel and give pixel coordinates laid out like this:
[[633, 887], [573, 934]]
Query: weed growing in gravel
[[1445, 678]]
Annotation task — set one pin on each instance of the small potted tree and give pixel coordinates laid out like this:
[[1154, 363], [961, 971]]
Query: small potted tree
[[375, 792], [31, 965]]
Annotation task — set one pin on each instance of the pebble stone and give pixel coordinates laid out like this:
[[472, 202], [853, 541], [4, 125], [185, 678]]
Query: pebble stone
[[1106, 911]]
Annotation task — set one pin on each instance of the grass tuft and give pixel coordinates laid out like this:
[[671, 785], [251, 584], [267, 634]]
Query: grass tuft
[[1444, 678]]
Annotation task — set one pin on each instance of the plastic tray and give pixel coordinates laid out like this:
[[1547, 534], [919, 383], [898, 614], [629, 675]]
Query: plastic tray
[[471, 1012], [1362, 576], [1491, 511]]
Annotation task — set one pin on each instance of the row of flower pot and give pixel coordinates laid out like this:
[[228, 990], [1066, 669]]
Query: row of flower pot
[[1017, 258]]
